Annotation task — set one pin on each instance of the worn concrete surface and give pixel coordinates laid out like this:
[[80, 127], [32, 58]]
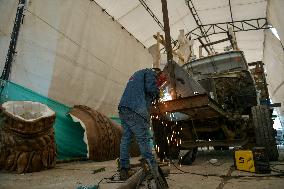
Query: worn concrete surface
[[200, 175]]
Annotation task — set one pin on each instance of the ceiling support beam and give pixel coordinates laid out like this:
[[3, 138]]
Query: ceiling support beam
[[231, 13], [241, 25], [198, 22]]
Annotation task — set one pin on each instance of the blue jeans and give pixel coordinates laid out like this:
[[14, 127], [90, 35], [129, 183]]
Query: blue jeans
[[134, 125]]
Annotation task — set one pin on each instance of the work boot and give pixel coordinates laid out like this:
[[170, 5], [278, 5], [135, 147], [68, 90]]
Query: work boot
[[124, 175]]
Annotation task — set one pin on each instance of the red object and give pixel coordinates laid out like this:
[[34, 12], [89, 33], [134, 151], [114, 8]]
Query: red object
[[161, 80]]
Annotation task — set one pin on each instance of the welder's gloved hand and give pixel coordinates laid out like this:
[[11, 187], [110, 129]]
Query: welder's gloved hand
[[161, 79]]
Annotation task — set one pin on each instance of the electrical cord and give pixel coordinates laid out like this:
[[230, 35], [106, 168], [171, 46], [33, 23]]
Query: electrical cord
[[187, 172], [280, 174], [272, 166]]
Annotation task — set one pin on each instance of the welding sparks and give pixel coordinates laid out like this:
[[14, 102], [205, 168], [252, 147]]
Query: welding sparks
[[166, 96]]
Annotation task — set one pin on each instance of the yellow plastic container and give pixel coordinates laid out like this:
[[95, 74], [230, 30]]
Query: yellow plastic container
[[244, 160]]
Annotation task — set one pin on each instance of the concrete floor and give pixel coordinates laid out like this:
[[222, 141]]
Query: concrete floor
[[201, 175]]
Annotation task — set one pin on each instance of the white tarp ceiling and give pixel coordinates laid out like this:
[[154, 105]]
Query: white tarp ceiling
[[133, 16]]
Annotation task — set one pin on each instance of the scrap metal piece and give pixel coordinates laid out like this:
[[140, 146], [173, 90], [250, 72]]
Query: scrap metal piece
[[197, 107], [155, 179], [185, 85], [129, 184]]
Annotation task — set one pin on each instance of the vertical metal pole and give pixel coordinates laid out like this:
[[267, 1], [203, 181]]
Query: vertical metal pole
[[14, 38], [167, 30], [231, 15], [169, 49]]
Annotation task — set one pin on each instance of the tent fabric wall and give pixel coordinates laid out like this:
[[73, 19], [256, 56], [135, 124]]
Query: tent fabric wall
[[94, 67], [73, 52], [275, 16], [7, 15], [33, 63], [274, 66], [274, 53]]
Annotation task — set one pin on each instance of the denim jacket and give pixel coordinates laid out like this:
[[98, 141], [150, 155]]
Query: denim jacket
[[141, 90]]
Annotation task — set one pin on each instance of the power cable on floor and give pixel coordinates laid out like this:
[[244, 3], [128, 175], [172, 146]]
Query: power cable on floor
[[187, 172], [280, 174], [272, 166]]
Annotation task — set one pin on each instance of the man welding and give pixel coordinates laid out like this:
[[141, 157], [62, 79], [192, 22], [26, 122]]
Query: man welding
[[134, 111]]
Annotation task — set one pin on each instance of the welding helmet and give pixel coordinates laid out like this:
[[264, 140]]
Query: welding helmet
[[157, 71]]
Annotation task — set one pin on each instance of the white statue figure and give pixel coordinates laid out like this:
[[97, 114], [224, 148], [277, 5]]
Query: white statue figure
[[155, 52], [185, 50]]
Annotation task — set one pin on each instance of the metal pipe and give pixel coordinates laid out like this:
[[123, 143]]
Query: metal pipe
[[168, 46], [14, 38], [167, 30]]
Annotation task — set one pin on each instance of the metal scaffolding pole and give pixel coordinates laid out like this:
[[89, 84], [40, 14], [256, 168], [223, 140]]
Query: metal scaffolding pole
[[13, 43]]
